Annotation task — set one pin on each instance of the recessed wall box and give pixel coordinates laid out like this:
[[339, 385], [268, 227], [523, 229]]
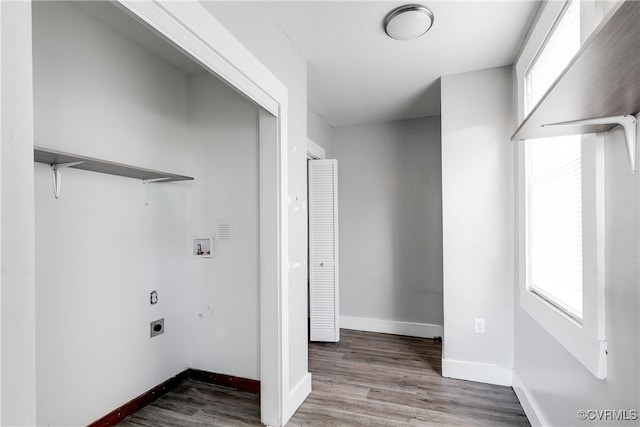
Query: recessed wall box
[[157, 327], [202, 247]]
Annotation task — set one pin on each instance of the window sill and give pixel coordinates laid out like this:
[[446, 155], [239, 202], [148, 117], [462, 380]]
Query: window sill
[[576, 339]]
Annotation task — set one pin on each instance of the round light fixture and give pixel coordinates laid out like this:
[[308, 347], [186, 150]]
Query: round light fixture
[[408, 22]]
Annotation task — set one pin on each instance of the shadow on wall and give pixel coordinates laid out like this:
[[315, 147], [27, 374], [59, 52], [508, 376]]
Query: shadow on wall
[[416, 219], [425, 102]]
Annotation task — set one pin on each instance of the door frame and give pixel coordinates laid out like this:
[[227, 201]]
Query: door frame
[[314, 152], [190, 27]]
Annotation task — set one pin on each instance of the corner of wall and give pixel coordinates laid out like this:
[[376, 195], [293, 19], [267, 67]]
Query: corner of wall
[[478, 225], [320, 132]]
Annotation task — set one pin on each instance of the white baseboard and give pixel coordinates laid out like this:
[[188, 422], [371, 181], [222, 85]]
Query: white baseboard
[[529, 404], [297, 395], [411, 329], [474, 371]]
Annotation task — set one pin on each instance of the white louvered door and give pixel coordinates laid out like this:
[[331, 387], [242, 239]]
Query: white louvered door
[[323, 250]]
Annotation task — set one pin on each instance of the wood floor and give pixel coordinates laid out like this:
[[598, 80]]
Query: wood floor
[[366, 379]]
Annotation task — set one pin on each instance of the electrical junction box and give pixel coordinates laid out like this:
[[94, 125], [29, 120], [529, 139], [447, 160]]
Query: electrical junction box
[[157, 327]]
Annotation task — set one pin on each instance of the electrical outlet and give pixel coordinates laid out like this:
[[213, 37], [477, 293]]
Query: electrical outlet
[[479, 326], [157, 327]]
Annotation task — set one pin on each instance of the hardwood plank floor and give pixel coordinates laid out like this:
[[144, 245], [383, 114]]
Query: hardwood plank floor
[[366, 379]]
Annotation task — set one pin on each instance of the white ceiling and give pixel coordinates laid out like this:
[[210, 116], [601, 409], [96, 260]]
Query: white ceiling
[[356, 74]]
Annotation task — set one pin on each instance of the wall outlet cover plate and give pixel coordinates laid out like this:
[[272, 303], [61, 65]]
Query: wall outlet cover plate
[[157, 327]]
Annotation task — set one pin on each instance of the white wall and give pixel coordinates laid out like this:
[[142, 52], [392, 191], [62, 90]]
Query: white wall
[[552, 381], [252, 25], [100, 250], [17, 321], [478, 224], [319, 131], [224, 307], [555, 382], [389, 193]]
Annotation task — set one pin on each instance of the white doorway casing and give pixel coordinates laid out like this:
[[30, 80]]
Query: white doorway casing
[[314, 151]]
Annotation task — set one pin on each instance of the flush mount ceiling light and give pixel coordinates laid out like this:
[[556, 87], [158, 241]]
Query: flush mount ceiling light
[[408, 22]]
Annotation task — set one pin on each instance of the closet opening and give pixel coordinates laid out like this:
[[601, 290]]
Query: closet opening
[[115, 254]]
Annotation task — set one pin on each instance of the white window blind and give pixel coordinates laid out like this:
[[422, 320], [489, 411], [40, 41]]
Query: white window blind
[[557, 51], [554, 221]]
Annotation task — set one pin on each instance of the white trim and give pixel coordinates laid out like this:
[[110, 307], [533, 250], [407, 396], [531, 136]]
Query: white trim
[[283, 286], [586, 342], [529, 404], [298, 394], [271, 353], [190, 27], [208, 42], [590, 351], [479, 372], [314, 151], [410, 329], [1, 242]]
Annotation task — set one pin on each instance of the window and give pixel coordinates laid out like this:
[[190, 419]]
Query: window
[[554, 222], [561, 244], [557, 51], [560, 204], [554, 182]]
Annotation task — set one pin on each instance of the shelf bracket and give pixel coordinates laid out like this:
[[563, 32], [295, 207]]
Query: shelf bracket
[[146, 183], [628, 123], [56, 169]]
